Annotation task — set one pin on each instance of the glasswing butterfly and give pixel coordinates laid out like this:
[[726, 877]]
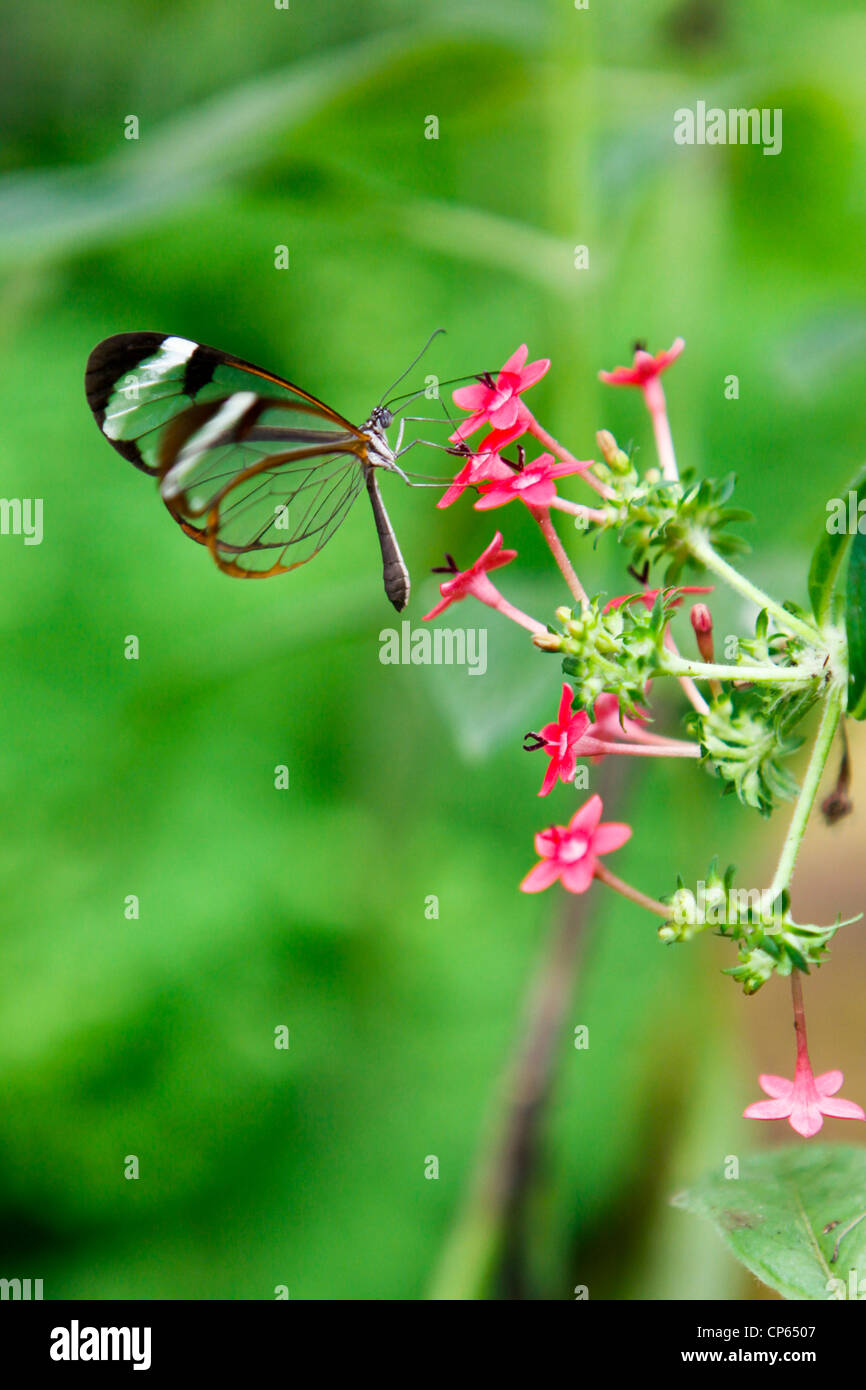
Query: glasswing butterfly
[[248, 465]]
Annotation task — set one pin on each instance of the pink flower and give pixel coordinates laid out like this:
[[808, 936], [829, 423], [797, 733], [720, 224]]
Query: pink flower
[[499, 401], [607, 721], [570, 852], [805, 1100], [649, 596], [560, 742], [474, 581], [535, 484], [484, 463], [645, 368]]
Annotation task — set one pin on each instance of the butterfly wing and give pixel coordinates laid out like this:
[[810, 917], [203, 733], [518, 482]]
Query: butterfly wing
[[263, 493], [137, 383], [249, 464]]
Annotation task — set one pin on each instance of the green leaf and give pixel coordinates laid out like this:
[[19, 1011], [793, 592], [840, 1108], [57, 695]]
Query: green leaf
[[855, 623], [774, 1217], [829, 556]]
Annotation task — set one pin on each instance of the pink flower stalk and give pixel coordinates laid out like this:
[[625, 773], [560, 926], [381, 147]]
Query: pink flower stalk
[[570, 852], [807, 1099], [534, 484], [483, 464], [474, 583], [499, 401], [645, 372]]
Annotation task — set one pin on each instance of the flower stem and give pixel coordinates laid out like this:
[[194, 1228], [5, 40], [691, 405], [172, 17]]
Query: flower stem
[[633, 894], [690, 690], [799, 1018], [542, 516], [654, 397], [596, 514], [558, 451], [674, 749], [809, 790], [508, 610], [706, 671], [702, 550]]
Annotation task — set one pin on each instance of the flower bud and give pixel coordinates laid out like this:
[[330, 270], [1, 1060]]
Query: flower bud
[[547, 641], [702, 622], [615, 457]]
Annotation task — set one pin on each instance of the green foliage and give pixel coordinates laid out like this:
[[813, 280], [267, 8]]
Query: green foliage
[[784, 1213], [615, 650], [769, 941], [659, 518], [744, 744], [855, 628], [830, 552]]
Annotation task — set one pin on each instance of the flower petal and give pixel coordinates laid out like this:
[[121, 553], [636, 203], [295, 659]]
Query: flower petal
[[588, 817], [829, 1082], [775, 1085], [767, 1110], [473, 397], [439, 608], [612, 835], [841, 1109], [551, 777], [504, 416], [565, 704], [577, 877], [533, 372], [541, 877], [546, 842], [515, 361], [492, 497], [806, 1119]]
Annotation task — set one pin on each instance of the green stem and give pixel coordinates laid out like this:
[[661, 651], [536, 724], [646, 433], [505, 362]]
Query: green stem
[[701, 549], [809, 790], [710, 670]]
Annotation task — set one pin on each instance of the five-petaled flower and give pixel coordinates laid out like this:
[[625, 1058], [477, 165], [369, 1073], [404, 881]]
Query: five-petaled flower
[[570, 852], [499, 401], [645, 367], [481, 463], [560, 742], [474, 581], [535, 484], [804, 1101]]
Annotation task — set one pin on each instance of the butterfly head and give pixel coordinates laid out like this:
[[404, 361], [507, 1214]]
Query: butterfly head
[[380, 418]]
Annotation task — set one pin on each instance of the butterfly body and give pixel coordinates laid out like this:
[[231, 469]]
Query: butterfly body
[[252, 467]]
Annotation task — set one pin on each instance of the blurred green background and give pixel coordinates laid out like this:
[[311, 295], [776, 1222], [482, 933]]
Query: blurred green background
[[305, 908]]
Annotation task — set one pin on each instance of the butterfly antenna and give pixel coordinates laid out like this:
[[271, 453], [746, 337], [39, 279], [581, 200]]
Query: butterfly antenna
[[453, 381], [413, 363]]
